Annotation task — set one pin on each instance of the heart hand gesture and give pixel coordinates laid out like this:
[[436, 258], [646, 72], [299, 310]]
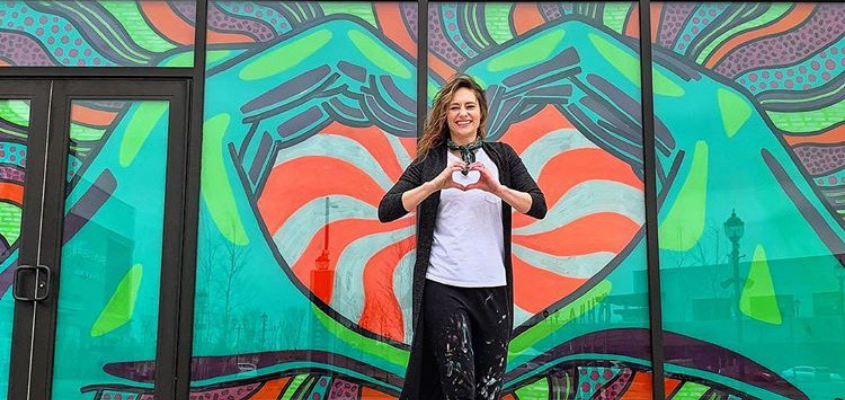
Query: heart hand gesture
[[486, 182]]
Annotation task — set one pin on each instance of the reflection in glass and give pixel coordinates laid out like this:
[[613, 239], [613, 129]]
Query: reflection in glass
[[751, 136], [14, 132], [112, 241]]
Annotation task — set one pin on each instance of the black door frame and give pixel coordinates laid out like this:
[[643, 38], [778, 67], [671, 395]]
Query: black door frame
[[45, 186], [38, 93]]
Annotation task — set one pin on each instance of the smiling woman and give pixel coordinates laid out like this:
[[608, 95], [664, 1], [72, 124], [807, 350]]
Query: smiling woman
[[310, 119], [463, 275]]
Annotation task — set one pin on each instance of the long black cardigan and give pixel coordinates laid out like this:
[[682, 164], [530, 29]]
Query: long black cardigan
[[513, 174]]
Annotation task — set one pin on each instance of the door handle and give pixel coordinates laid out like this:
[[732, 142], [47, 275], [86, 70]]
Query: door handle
[[36, 276]]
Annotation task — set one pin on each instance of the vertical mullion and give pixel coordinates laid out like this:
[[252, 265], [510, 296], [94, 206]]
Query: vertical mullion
[[422, 64], [168, 329], [652, 254], [38, 93], [184, 350], [55, 169]]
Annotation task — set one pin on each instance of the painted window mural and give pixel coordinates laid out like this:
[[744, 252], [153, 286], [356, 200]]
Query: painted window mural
[[563, 85], [88, 33], [310, 117], [14, 126], [112, 240], [748, 103]]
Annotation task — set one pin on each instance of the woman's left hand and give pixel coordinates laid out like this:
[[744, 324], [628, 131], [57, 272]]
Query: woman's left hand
[[486, 182]]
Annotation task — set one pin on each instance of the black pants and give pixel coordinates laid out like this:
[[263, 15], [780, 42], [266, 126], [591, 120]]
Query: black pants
[[467, 331]]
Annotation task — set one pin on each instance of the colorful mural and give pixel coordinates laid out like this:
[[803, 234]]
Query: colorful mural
[[14, 128], [296, 160], [111, 255], [751, 93], [91, 33]]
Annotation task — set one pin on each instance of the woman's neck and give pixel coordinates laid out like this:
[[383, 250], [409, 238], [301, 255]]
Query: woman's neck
[[463, 141]]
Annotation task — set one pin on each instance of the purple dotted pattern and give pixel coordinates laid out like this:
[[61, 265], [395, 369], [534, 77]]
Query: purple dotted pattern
[[811, 73], [612, 391], [187, 9], [591, 380], [409, 11], [672, 21], [824, 26], [550, 11], [232, 393], [343, 390], [11, 174], [821, 160], [20, 49], [122, 396], [219, 20], [438, 43]]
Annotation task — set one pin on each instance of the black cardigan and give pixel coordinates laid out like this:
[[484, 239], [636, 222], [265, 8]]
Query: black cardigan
[[512, 174]]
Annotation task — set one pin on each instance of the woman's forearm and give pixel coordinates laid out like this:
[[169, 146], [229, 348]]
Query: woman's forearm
[[520, 201], [412, 198]]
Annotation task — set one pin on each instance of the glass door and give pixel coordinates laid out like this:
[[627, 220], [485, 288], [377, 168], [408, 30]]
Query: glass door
[[24, 108], [109, 248]]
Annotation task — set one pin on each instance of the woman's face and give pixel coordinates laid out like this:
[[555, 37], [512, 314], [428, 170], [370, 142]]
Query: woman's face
[[463, 116]]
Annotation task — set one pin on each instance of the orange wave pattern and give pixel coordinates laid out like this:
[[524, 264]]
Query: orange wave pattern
[[91, 116], [535, 288], [526, 16], [11, 193], [795, 17], [833, 135], [165, 20]]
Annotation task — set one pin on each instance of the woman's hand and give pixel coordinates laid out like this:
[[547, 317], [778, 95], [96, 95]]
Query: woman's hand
[[412, 198], [444, 179], [486, 182]]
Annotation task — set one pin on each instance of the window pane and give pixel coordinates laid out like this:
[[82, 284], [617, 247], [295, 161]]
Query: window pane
[[748, 100], [97, 33]]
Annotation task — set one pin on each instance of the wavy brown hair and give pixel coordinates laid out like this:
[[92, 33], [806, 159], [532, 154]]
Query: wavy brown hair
[[436, 127]]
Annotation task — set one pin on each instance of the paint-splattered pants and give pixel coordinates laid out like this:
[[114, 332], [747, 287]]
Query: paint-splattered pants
[[467, 331]]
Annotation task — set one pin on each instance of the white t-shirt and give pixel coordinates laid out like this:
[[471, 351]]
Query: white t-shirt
[[468, 247]]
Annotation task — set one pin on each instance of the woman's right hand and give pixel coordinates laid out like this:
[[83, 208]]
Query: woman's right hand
[[412, 198], [444, 179]]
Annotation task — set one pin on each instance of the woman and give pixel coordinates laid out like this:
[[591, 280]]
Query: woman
[[463, 283]]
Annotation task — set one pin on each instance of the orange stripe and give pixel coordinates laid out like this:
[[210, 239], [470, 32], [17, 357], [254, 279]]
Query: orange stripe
[[604, 231], [370, 393], [640, 387], [390, 18], [11, 192], [509, 396], [271, 389], [410, 145], [570, 168], [167, 22], [440, 67], [524, 133], [215, 37], [669, 385], [382, 312], [91, 116], [526, 16], [655, 19], [535, 288], [343, 232], [830, 136], [4, 63], [373, 139], [787, 22], [632, 28], [306, 178]]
